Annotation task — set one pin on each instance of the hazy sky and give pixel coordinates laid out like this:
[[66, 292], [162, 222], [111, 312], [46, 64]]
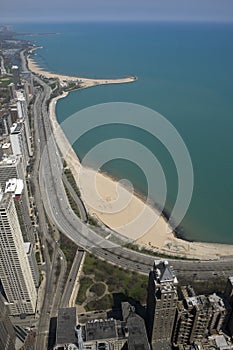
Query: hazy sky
[[72, 10]]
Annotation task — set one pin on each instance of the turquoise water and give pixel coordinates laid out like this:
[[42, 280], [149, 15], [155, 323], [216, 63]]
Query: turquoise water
[[184, 72]]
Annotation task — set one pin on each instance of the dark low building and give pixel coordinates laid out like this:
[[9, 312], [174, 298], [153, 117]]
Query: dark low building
[[135, 329]]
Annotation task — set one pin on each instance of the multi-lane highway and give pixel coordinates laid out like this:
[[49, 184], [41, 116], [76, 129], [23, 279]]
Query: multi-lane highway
[[55, 262]]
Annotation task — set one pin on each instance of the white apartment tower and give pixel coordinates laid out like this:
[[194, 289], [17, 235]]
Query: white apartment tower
[[15, 273], [19, 142]]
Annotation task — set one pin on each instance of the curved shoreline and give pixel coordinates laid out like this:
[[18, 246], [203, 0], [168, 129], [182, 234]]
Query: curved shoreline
[[157, 238], [83, 82]]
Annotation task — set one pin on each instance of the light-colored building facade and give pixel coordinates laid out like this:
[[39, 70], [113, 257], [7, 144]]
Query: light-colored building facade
[[12, 167], [19, 142], [15, 272]]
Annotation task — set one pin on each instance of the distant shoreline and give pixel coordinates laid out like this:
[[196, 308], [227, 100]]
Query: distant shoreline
[[158, 238], [36, 34]]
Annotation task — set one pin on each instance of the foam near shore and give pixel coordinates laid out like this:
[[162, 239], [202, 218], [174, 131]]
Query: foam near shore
[[120, 209]]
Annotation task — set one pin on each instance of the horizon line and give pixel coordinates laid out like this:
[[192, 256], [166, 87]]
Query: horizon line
[[117, 20]]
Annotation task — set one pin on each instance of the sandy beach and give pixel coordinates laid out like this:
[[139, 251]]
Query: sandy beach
[[84, 82], [116, 206]]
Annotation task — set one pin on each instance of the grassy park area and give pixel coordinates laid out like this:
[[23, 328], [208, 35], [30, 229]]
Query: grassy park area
[[103, 285]]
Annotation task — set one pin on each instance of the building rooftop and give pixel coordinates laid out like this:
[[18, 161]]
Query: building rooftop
[[19, 95], [199, 301], [66, 323], [164, 272], [6, 145], [9, 160], [101, 329], [216, 301], [14, 186], [16, 128], [27, 246], [220, 341], [161, 345], [137, 336]]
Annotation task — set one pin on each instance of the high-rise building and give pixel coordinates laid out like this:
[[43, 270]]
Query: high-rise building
[[12, 92], [23, 117], [19, 142], [161, 304], [183, 324], [198, 316], [16, 77], [5, 124], [228, 294], [13, 112], [7, 334], [19, 192], [27, 76], [218, 314], [11, 167], [135, 329], [15, 273], [27, 87]]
